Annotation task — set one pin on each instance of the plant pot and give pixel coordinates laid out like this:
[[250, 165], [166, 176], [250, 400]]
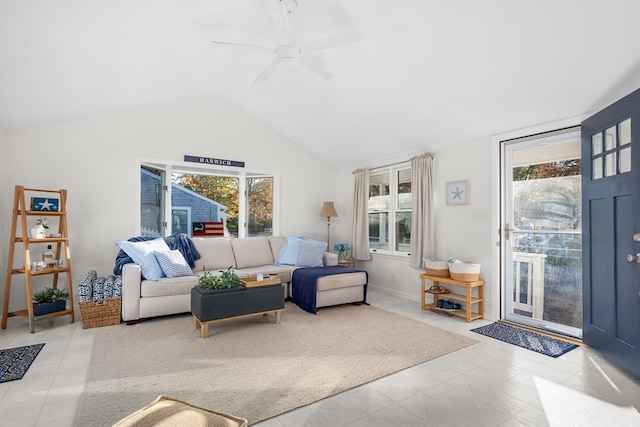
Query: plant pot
[[48, 307], [37, 232], [342, 255]]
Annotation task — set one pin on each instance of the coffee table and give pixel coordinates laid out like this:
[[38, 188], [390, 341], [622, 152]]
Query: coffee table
[[216, 305]]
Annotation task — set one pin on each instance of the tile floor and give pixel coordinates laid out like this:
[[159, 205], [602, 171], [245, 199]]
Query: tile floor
[[488, 384]]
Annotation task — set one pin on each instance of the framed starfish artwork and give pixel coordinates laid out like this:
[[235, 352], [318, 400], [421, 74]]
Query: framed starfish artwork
[[44, 204], [457, 193]]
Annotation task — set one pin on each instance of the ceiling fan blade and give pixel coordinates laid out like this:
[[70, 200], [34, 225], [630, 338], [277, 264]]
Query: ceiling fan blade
[[267, 72], [245, 46], [315, 66], [327, 42]]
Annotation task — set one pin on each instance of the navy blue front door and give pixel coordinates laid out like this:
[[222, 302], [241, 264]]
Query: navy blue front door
[[611, 232]]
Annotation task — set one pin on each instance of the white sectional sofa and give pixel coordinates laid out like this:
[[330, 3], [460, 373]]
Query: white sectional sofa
[[248, 257]]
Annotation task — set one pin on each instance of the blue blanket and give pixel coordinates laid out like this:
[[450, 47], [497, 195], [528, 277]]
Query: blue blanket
[[304, 280], [180, 242]]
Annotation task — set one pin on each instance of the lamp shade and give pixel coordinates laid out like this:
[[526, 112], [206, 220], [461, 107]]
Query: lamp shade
[[328, 210]]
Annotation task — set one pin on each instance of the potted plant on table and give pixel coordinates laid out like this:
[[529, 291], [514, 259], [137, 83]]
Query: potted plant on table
[[49, 301], [342, 249], [227, 280]]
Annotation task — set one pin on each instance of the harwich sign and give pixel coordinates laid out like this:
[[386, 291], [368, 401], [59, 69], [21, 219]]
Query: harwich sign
[[213, 161]]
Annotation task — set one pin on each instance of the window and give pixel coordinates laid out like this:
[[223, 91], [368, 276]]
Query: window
[[176, 198], [390, 209]]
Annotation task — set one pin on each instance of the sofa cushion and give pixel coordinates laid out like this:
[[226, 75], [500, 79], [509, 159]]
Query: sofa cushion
[[142, 254], [277, 243], [310, 254], [252, 252], [215, 253], [173, 263], [168, 286]]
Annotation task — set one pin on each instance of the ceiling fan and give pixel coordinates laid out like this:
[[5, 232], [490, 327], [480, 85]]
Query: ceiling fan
[[289, 54]]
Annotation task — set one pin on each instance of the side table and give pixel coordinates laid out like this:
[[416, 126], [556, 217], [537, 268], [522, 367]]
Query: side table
[[347, 262]]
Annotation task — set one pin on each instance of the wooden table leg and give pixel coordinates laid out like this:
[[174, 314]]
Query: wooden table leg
[[422, 293], [278, 316], [205, 330], [196, 322]]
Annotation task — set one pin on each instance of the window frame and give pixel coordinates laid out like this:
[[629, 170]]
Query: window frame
[[242, 174], [392, 172]]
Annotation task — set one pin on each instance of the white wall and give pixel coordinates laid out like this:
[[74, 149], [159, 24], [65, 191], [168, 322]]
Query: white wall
[[94, 159], [462, 232]]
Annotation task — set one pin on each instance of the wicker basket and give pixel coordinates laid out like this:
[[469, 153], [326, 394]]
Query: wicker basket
[[464, 271], [98, 313], [436, 268]]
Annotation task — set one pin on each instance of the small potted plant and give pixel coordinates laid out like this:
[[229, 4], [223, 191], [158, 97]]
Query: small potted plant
[[39, 231], [342, 249], [227, 280], [49, 301]]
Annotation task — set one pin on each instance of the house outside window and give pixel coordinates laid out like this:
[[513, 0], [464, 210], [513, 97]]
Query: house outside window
[[390, 209]]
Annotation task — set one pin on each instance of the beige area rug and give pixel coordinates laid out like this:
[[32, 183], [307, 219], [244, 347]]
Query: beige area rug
[[252, 367]]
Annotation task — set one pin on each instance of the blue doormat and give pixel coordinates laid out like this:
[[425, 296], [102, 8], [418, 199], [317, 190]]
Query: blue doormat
[[14, 362], [526, 339]]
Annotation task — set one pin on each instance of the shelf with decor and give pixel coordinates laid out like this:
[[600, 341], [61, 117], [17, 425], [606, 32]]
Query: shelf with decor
[[54, 262]]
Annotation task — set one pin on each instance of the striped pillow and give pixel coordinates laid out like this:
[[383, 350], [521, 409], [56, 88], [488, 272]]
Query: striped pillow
[[173, 263]]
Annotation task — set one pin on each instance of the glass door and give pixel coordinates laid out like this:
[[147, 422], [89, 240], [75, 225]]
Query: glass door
[[541, 232]]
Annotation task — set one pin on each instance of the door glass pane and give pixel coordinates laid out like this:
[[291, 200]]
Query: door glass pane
[[404, 189], [596, 144], [625, 160], [610, 138], [403, 231], [379, 230], [624, 130], [181, 221], [596, 171], [610, 164]]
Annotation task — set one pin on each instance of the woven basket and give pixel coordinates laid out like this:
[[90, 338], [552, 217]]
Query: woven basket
[[98, 313], [464, 271], [436, 267]]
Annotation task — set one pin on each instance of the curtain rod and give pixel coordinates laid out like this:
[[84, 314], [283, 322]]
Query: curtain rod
[[395, 163]]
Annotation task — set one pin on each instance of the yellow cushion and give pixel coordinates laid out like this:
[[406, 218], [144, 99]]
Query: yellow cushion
[[170, 412]]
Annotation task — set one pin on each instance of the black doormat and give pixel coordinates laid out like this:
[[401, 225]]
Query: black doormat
[[14, 362], [526, 339]]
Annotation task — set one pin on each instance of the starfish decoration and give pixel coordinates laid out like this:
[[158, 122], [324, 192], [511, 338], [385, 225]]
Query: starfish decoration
[[45, 206], [457, 194]]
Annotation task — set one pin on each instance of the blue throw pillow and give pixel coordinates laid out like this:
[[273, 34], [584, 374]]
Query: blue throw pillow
[[289, 253], [310, 253], [142, 254], [173, 263]]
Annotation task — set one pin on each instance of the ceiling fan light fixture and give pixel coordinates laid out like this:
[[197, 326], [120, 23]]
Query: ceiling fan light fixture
[[288, 58]]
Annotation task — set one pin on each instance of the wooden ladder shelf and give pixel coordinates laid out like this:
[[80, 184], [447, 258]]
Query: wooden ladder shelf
[[22, 210]]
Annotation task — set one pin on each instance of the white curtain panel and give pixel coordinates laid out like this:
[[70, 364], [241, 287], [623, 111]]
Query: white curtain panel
[[422, 227], [360, 235]]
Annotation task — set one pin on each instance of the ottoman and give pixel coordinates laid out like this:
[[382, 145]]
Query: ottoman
[[315, 287], [211, 305]]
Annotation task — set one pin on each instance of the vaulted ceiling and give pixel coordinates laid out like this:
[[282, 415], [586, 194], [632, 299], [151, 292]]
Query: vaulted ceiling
[[422, 74]]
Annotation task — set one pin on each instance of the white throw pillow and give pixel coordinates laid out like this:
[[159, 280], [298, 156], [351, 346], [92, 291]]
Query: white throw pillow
[[173, 263], [142, 254]]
